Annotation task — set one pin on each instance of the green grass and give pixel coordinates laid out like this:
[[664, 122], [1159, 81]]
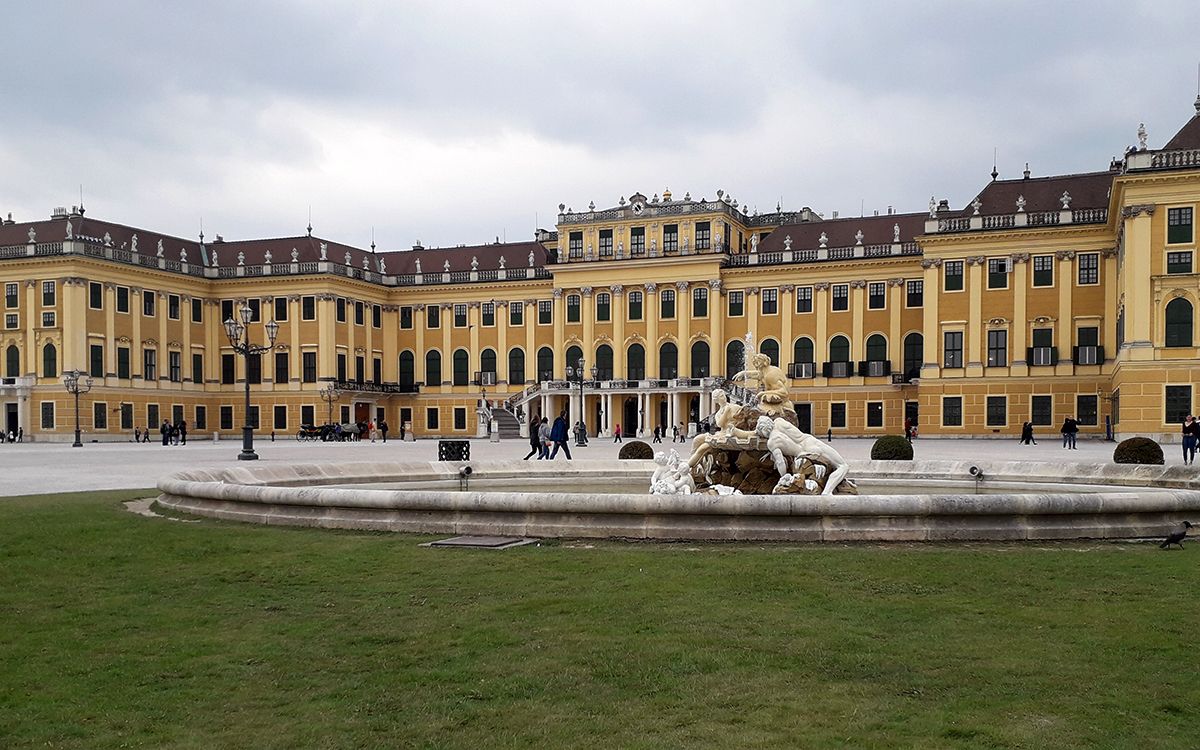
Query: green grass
[[123, 631]]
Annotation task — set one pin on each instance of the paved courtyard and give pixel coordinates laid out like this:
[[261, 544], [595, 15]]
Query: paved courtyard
[[32, 468]]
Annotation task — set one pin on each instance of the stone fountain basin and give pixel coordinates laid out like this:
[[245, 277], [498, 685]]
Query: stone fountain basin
[[1017, 500]]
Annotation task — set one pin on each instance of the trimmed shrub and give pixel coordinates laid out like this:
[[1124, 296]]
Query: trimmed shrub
[[1138, 450], [636, 449], [892, 448]]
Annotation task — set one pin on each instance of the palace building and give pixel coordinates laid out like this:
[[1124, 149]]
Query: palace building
[[1042, 298]]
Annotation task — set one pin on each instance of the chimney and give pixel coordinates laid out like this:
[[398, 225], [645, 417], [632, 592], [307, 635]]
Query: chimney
[[218, 240], [943, 205], [835, 214], [418, 246]]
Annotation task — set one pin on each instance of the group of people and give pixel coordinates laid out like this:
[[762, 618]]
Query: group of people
[[11, 437], [171, 434], [678, 433], [543, 435], [1191, 436], [1069, 430]]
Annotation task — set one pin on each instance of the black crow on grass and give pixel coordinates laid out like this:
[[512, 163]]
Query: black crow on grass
[[1176, 537]]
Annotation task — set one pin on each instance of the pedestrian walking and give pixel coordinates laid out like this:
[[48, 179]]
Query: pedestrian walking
[[1191, 435], [1069, 429], [544, 439], [137, 434], [371, 430], [535, 440], [183, 432], [383, 429], [658, 431], [617, 434], [1027, 434], [165, 431], [402, 430], [558, 435]]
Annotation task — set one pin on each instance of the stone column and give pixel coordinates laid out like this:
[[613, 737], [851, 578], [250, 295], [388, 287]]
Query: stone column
[[110, 329], [930, 322], [1065, 320], [1020, 325], [716, 319], [650, 312], [587, 312], [975, 352], [618, 321], [560, 317], [683, 316], [858, 306], [821, 345], [420, 319]]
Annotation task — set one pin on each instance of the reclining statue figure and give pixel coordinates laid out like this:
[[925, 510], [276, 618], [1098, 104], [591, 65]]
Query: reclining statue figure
[[786, 442]]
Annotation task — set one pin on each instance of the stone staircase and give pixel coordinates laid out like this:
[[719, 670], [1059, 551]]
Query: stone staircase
[[507, 424]]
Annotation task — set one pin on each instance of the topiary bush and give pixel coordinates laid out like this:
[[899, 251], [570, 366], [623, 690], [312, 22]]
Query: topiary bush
[[892, 448], [636, 449], [1138, 450]]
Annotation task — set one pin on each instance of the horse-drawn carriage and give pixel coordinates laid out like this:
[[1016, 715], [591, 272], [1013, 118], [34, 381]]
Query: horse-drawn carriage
[[327, 432]]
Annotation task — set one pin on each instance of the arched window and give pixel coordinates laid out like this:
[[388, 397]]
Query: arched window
[[802, 350], [839, 349], [433, 368], [407, 368], [668, 361], [876, 348], [516, 367], [770, 347], [635, 362], [462, 367], [1179, 322], [604, 362], [914, 352], [487, 361], [574, 354], [700, 364], [49, 362], [735, 357], [545, 364], [12, 362]]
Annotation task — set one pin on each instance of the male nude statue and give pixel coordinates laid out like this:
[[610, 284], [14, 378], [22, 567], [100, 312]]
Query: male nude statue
[[772, 382], [785, 439]]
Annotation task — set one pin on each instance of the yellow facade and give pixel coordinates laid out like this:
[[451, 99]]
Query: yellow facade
[[1044, 298]]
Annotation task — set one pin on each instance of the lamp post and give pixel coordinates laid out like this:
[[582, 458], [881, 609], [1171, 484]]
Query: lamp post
[[239, 338], [577, 373], [330, 395], [75, 386]]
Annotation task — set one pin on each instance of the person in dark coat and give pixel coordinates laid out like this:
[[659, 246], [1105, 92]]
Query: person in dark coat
[[535, 440], [1191, 435], [166, 432], [1069, 429], [558, 436], [183, 432], [383, 429], [1027, 434]]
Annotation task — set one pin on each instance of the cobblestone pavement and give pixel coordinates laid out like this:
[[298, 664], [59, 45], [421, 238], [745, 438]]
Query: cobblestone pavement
[[34, 468]]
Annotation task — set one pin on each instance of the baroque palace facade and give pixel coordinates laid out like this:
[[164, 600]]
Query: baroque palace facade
[[1046, 297]]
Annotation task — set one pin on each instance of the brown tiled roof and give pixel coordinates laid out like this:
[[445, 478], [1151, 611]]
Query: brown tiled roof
[[877, 230], [516, 255], [1187, 137], [121, 236], [1088, 190]]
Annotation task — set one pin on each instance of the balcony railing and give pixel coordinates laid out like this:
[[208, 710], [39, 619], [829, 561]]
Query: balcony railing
[[875, 368], [802, 370], [1088, 355], [837, 369], [1042, 356], [366, 386]]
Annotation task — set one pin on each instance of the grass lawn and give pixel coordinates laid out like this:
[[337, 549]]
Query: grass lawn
[[118, 630]]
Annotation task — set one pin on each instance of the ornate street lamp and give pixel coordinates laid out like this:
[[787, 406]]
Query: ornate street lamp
[[330, 395], [75, 386], [239, 338], [578, 373]]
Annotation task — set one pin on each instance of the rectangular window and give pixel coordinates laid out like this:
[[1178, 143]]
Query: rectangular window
[[460, 418], [96, 360], [670, 238], [48, 320], [804, 299], [49, 294], [279, 417], [634, 304], [770, 301], [1043, 270], [255, 305], [489, 314], [281, 367], [1179, 225], [281, 309], [575, 245], [516, 313], [1178, 403], [874, 414], [122, 299], [152, 419], [197, 367], [545, 312], [11, 321], [952, 271], [126, 416], [876, 297], [201, 421], [703, 235], [341, 366], [226, 418], [952, 415], [637, 241], [308, 362], [227, 310], [47, 415], [95, 295], [1087, 346], [998, 273], [99, 415], [406, 317], [914, 293], [841, 297], [431, 418], [1043, 351], [254, 369], [997, 411], [606, 243], [345, 414], [1041, 411], [228, 369], [252, 417], [173, 307], [10, 295], [700, 302], [358, 313], [376, 370], [573, 305], [997, 348], [666, 304], [123, 362], [736, 304], [307, 414], [308, 308], [149, 301], [460, 315], [1179, 262], [339, 310], [197, 310], [952, 348], [376, 316], [1089, 268], [360, 369], [603, 307], [433, 316], [175, 367], [150, 364], [1087, 409], [837, 414]]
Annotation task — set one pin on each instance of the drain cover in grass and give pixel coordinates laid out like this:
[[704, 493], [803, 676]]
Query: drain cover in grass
[[481, 542]]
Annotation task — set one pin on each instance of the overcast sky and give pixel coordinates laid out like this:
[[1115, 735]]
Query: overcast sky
[[455, 123]]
